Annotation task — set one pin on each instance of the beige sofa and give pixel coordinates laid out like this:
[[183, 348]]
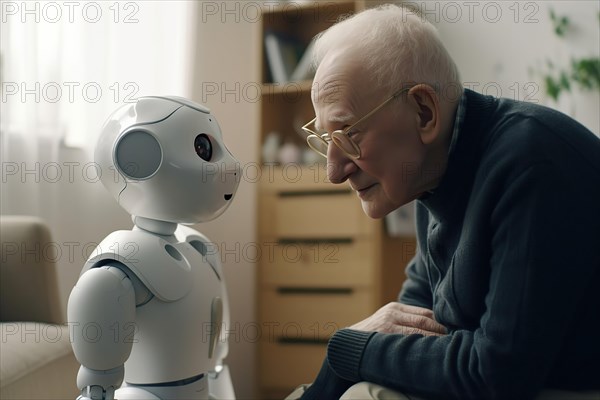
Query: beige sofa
[[36, 360]]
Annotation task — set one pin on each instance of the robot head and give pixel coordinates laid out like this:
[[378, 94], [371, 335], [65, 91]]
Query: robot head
[[164, 158]]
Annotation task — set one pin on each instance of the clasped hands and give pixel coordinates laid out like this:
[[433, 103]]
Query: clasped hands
[[401, 318]]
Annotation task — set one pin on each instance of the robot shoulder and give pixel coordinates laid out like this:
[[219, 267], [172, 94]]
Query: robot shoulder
[[159, 264], [209, 250]]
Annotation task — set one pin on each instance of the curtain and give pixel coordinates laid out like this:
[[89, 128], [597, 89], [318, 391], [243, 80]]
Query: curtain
[[65, 66]]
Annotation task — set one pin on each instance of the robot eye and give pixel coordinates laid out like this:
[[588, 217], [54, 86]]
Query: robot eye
[[203, 147]]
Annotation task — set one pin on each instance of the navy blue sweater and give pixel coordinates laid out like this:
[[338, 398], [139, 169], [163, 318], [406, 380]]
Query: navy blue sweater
[[508, 260]]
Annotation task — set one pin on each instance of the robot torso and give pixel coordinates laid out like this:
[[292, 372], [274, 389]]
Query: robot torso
[[177, 333]]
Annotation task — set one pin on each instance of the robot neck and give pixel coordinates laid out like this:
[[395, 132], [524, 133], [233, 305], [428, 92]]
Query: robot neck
[[155, 226]]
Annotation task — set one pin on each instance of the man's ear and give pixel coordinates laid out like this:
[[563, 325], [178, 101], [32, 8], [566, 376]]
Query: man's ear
[[425, 103]]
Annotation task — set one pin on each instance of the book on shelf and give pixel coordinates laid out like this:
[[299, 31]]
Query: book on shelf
[[286, 59], [304, 69]]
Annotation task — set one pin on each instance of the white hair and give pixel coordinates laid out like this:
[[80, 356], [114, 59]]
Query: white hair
[[395, 44]]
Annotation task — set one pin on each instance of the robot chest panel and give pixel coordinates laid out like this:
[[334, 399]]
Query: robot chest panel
[[174, 337]]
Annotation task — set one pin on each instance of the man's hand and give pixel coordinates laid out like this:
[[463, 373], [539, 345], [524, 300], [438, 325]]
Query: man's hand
[[401, 318]]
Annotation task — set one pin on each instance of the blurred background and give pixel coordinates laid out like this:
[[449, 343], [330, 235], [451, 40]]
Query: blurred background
[[66, 65]]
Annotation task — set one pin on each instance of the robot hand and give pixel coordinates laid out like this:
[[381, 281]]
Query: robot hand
[[97, 393]]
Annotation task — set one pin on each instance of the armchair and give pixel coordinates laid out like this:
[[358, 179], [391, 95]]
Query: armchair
[[36, 360]]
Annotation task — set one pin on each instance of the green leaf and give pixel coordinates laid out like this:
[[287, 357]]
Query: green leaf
[[586, 72], [560, 24], [552, 89], [564, 81]]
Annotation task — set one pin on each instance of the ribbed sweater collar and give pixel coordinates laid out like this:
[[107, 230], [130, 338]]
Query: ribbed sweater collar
[[448, 199]]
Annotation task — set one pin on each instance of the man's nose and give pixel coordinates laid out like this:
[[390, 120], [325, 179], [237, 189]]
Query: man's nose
[[339, 165]]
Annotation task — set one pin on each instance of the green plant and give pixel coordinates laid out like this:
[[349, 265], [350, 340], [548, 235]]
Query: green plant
[[560, 23], [584, 72]]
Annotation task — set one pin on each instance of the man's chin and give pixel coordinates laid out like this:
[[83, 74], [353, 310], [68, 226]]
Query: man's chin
[[373, 210]]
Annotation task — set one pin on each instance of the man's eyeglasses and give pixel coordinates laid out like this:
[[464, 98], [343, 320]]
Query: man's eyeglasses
[[341, 138]]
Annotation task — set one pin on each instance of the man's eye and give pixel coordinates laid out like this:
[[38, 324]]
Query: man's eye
[[351, 133]]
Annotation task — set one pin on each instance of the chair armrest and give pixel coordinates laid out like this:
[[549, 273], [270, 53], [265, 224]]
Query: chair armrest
[[28, 281]]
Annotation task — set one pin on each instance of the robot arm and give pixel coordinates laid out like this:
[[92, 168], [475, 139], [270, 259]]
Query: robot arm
[[219, 380], [101, 314]]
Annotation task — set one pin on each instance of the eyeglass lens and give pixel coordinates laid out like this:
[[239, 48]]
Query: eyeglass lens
[[318, 144], [344, 143]]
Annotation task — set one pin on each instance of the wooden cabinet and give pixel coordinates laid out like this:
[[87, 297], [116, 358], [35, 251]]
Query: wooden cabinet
[[323, 263]]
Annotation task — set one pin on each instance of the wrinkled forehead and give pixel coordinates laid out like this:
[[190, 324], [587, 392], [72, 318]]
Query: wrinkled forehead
[[341, 90], [331, 99]]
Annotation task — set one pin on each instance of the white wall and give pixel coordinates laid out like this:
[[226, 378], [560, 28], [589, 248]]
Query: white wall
[[495, 44]]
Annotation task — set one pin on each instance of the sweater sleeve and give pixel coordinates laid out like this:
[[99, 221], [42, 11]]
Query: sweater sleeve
[[327, 385], [544, 258]]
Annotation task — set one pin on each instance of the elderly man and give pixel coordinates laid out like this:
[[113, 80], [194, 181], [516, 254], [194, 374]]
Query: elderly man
[[502, 298]]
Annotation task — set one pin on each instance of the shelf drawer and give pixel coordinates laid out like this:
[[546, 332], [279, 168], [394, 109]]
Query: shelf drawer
[[300, 314], [314, 214], [333, 263], [285, 366]]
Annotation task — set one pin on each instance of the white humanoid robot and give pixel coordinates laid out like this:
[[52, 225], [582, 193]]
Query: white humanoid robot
[[147, 314]]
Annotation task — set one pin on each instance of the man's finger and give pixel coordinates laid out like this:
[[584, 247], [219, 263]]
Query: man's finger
[[419, 322], [415, 310], [406, 330]]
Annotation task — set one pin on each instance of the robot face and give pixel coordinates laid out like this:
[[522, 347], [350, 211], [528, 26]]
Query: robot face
[[174, 166]]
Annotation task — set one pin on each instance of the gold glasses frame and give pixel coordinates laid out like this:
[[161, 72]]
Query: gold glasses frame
[[341, 137]]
